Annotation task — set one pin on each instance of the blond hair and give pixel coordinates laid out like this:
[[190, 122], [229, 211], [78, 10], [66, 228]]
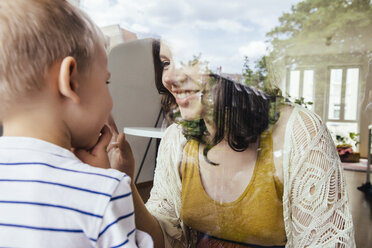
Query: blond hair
[[35, 34]]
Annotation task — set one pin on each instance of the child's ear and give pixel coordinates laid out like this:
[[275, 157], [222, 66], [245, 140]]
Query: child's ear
[[67, 81]]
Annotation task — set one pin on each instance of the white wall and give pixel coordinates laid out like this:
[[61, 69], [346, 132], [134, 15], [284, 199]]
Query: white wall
[[136, 100]]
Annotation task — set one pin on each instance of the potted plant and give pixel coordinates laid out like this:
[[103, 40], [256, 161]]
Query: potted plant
[[347, 146]]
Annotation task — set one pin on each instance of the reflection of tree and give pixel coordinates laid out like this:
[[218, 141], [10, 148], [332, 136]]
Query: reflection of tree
[[319, 36], [335, 31], [326, 24], [260, 78], [256, 77]]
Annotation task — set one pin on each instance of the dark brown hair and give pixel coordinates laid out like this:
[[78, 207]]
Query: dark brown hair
[[168, 102], [240, 113]]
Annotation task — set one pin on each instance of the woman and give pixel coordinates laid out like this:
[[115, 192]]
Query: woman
[[238, 181]]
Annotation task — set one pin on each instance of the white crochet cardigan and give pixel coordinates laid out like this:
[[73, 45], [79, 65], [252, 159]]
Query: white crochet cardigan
[[315, 202]]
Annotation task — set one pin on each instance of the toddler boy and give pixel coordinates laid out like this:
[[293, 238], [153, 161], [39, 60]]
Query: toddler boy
[[54, 97]]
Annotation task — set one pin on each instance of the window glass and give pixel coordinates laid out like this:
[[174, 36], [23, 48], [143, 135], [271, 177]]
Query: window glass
[[294, 88], [335, 89], [351, 93], [308, 85]]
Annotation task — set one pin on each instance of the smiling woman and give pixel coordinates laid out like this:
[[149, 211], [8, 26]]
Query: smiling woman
[[235, 180]]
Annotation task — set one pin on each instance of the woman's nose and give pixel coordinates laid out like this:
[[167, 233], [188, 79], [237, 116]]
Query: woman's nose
[[174, 77]]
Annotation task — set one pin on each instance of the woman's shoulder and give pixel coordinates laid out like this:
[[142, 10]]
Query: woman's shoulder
[[298, 121], [285, 112], [174, 130], [294, 115], [173, 135]]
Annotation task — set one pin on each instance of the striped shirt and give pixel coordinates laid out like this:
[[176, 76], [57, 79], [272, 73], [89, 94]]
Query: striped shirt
[[49, 198]]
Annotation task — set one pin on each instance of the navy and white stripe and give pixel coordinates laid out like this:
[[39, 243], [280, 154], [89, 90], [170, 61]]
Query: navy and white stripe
[[49, 198], [58, 168]]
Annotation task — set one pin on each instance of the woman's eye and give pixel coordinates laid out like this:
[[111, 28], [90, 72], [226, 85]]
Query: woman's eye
[[165, 64], [107, 82]]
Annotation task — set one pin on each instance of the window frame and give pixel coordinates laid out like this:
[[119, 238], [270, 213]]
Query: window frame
[[343, 93], [302, 70]]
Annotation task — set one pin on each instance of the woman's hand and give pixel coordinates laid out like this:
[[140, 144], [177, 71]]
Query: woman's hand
[[97, 156]]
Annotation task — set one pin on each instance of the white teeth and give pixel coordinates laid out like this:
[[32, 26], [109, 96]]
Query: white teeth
[[183, 95]]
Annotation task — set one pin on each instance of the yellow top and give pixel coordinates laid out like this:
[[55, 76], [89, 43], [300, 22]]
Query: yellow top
[[256, 217]]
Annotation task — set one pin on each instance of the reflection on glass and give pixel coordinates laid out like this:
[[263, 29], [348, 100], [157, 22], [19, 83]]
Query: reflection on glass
[[343, 100], [308, 86], [294, 85], [351, 93], [335, 94], [340, 127]]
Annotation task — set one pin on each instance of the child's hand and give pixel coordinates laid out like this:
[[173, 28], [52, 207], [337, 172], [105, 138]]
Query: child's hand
[[119, 152], [121, 156], [97, 156]]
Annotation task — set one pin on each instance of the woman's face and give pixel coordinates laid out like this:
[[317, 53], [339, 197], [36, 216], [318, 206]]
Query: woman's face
[[184, 82]]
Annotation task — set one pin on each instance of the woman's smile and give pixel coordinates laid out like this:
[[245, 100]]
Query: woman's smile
[[183, 97]]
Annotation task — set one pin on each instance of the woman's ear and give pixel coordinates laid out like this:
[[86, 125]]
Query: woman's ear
[[67, 80]]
